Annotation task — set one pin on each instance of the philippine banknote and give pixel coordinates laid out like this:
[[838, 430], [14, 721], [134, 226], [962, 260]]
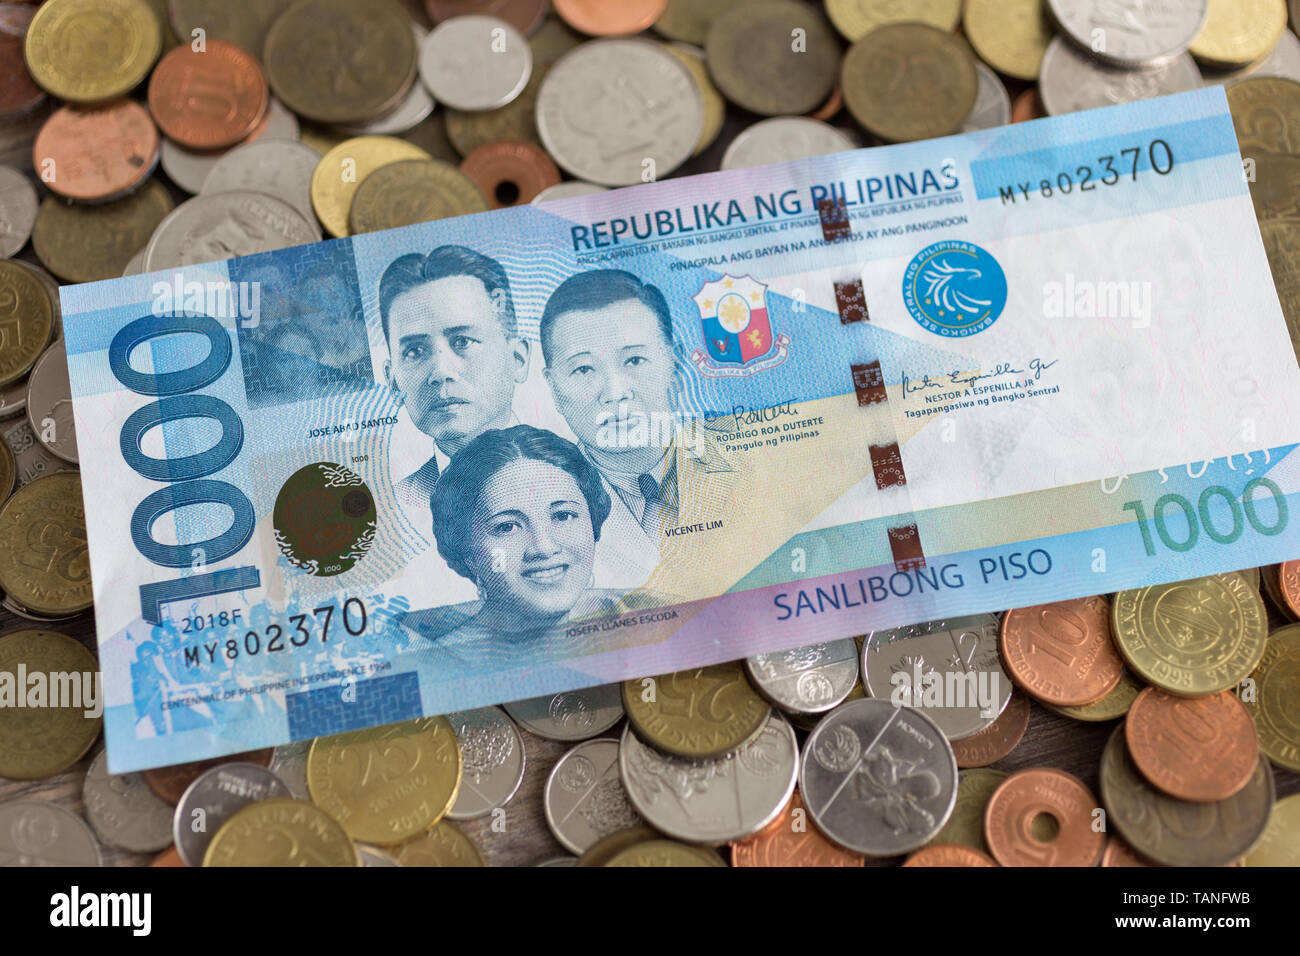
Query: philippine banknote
[[487, 458]]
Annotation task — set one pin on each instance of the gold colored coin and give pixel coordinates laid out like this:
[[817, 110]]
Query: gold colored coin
[[411, 191], [386, 784], [1252, 575], [1276, 702], [966, 824], [342, 170], [856, 18], [1191, 638], [44, 729], [1239, 32], [44, 565], [469, 129], [1113, 705], [8, 470], [606, 848], [1280, 844], [281, 832], [1282, 246], [86, 243], [664, 853], [701, 713], [27, 318], [715, 108], [689, 20], [1009, 35], [444, 845], [1266, 115], [85, 51]]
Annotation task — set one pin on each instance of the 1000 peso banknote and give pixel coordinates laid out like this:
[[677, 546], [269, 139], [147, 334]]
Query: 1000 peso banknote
[[483, 459]]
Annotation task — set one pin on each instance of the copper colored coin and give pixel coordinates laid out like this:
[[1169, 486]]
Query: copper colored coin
[[1015, 839], [170, 783], [208, 100], [1027, 106], [96, 153], [948, 854], [524, 15], [1288, 587], [1119, 853], [600, 18], [1200, 749], [786, 842], [168, 857], [510, 173], [997, 739], [18, 91], [834, 103], [1062, 653]]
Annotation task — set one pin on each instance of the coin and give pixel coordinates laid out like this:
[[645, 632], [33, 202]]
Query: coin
[[1119, 853], [8, 470], [602, 19], [1282, 246], [168, 857], [1283, 61], [467, 130], [715, 108], [1203, 749], [94, 153], [1131, 34], [997, 739], [430, 136], [210, 99], [1266, 114], [1069, 80], [783, 138], [524, 15], [316, 65], [373, 856], [1275, 185], [806, 680], [281, 832], [597, 131], [1285, 580], [475, 62], [279, 168], [856, 18], [387, 784], [44, 565], [241, 22], [569, 189], [1176, 832], [1191, 637], [37, 833], [1009, 35], [712, 800], [571, 715], [124, 811], [584, 797], [49, 404], [170, 783], [909, 81], [414, 108], [411, 191], [1280, 843], [1275, 705], [948, 854], [966, 825], [87, 51], [188, 168], [1027, 106], [81, 243], [992, 103], [30, 457], [18, 91], [289, 763], [510, 174], [878, 779], [443, 845], [213, 799], [53, 685], [663, 853], [341, 171], [750, 45], [1011, 811], [559, 861], [17, 210], [1115, 704], [492, 760], [705, 712], [689, 20], [1062, 653], [607, 848], [947, 668], [1239, 32], [28, 319], [224, 226], [790, 841]]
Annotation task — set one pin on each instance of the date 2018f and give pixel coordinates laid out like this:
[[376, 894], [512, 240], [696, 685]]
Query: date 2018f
[[1108, 171]]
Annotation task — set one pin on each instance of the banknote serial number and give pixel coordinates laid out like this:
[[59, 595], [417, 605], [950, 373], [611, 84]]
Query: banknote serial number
[[303, 629], [1109, 170]]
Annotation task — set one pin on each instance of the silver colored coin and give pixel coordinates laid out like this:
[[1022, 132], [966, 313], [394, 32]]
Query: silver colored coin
[[188, 169], [49, 404], [289, 763], [806, 680], [135, 266], [373, 856], [220, 793], [958, 657], [572, 715], [492, 761], [124, 811], [18, 207], [475, 62], [782, 138], [13, 607], [32, 459], [36, 833], [584, 797], [605, 132], [276, 167], [560, 861], [226, 225], [712, 801], [992, 103], [878, 779], [568, 189], [1132, 34], [1068, 81], [13, 399], [413, 110], [1283, 61]]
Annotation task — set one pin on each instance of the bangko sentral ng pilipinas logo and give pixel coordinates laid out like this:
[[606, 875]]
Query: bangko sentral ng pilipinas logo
[[738, 338], [954, 289]]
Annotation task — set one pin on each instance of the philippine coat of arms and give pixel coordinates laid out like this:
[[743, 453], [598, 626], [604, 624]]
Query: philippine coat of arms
[[738, 337]]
